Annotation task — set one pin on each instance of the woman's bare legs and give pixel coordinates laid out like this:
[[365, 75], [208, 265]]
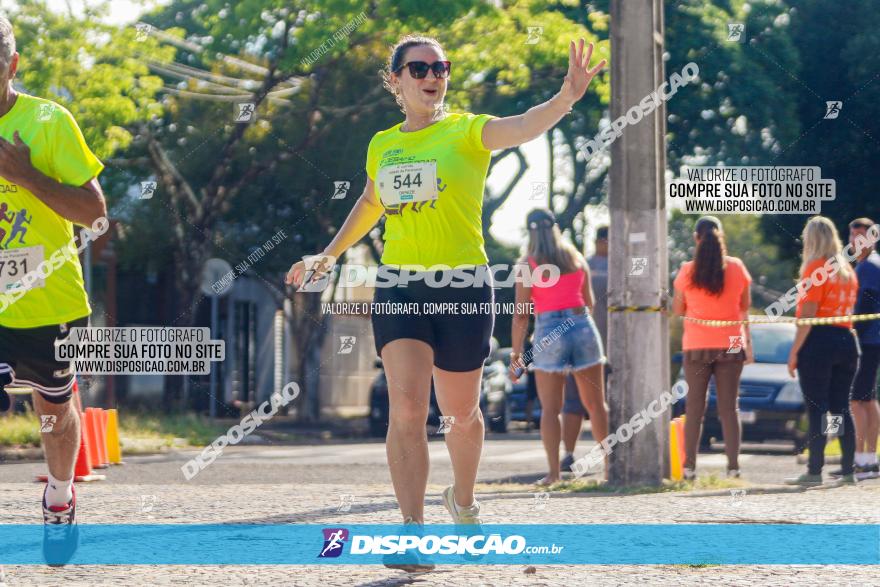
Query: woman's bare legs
[[458, 395], [591, 388], [407, 364], [727, 393], [550, 391], [696, 374]]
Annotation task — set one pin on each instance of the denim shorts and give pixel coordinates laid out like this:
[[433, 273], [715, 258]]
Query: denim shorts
[[566, 341]]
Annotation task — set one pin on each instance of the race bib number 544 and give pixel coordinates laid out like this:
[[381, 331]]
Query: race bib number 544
[[15, 264], [408, 182]]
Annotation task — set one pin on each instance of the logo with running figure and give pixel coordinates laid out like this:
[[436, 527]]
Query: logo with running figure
[[334, 540], [142, 31], [541, 500], [18, 221], [47, 422], [47, 112], [534, 34], [345, 501], [737, 496], [736, 32], [736, 344], [346, 345], [245, 111], [148, 188], [540, 190], [397, 209], [638, 265], [832, 424], [340, 189], [440, 111], [446, 423], [147, 503], [832, 109]]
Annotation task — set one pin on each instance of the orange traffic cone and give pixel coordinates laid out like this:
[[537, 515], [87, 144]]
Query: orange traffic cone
[[83, 471], [83, 462], [101, 419], [114, 450], [91, 421], [76, 398]]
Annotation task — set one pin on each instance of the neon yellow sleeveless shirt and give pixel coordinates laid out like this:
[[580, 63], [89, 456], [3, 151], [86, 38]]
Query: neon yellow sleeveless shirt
[[431, 184], [30, 231]]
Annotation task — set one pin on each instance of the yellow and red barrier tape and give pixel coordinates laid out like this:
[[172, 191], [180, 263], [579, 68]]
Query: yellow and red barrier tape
[[756, 318], [636, 308]]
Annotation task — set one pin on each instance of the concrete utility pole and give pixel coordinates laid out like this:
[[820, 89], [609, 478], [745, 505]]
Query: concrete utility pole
[[638, 274]]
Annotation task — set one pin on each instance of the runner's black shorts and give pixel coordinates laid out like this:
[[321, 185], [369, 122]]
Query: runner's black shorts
[[460, 339], [27, 358], [864, 387]]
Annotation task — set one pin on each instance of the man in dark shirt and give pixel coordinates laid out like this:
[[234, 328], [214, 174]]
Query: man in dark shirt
[[863, 401]]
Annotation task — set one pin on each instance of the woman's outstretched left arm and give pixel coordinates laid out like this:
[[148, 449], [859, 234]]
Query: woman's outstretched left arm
[[511, 131]]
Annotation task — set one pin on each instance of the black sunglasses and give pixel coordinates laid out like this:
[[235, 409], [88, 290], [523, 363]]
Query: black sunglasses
[[419, 69]]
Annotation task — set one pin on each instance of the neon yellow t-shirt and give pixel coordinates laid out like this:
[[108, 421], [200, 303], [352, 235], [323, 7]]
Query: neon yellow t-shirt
[[431, 184], [30, 231]]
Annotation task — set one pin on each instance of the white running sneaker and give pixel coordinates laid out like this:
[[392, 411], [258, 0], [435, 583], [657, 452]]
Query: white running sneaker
[[689, 474], [461, 515], [863, 472], [733, 474], [409, 562]]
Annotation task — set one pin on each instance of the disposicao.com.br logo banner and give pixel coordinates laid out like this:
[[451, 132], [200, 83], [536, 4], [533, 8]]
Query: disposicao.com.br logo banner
[[369, 544], [441, 541]]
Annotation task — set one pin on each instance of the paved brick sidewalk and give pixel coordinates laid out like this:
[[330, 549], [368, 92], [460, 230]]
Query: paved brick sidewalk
[[316, 504]]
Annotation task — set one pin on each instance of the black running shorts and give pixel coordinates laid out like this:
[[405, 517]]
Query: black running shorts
[[864, 387], [27, 358], [456, 321]]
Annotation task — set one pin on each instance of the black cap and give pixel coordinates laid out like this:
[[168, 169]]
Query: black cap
[[705, 222], [540, 217], [602, 233]]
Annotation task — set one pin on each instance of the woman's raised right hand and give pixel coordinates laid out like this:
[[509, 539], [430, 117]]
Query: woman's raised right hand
[[295, 275], [309, 270]]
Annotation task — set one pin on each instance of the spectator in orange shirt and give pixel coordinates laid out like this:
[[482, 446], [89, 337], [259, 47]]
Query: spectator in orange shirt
[[826, 357], [714, 286]]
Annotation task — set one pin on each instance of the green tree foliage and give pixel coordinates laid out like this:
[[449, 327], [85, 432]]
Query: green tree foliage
[[740, 112], [839, 49], [225, 187], [248, 181], [771, 272], [98, 72]]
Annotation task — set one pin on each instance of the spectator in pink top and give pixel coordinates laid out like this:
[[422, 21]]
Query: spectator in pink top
[[565, 340]]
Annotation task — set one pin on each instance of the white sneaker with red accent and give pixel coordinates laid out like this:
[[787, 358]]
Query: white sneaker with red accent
[[60, 532]]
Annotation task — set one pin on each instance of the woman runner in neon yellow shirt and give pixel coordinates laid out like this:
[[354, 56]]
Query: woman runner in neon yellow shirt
[[427, 176]]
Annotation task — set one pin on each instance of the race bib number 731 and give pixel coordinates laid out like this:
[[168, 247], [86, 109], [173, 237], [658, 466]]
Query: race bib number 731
[[407, 182], [15, 264]]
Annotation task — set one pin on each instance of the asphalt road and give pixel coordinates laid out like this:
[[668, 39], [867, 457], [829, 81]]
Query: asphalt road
[[307, 484], [516, 457]]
